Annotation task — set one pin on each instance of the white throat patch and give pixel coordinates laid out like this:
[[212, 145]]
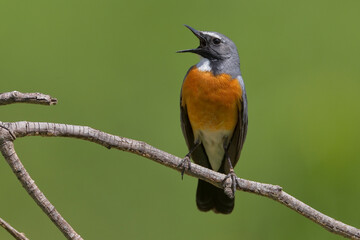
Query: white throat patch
[[204, 65]]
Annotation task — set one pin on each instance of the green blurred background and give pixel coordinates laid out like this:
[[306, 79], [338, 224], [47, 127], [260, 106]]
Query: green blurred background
[[112, 65]]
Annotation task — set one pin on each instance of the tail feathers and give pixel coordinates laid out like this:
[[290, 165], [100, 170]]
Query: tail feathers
[[205, 196], [209, 197]]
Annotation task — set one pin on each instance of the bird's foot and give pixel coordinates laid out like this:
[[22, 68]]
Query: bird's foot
[[185, 164], [230, 183]]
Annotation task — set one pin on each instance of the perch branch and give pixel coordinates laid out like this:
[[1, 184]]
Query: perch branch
[[9, 131], [22, 129], [17, 97], [17, 235]]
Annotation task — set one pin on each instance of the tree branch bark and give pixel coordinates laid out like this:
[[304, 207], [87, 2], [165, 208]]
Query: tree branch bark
[[10, 130], [22, 129], [18, 97], [17, 235], [8, 151]]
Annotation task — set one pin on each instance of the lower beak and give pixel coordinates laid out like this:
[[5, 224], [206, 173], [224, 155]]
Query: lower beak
[[195, 50]]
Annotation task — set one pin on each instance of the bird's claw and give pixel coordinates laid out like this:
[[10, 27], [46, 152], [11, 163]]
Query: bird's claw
[[185, 164], [230, 183]]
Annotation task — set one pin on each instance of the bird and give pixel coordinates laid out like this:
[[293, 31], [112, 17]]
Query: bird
[[214, 116]]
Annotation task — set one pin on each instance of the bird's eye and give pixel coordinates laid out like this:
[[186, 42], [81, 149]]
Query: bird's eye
[[216, 41]]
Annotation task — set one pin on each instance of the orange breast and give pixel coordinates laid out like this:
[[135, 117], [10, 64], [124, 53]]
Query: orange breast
[[212, 102]]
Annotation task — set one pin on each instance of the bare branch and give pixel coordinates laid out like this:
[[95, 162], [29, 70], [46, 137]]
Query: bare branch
[[8, 151], [22, 129], [17, 235], [17, 97]]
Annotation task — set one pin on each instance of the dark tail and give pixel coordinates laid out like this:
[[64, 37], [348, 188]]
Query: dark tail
[[209, 197]]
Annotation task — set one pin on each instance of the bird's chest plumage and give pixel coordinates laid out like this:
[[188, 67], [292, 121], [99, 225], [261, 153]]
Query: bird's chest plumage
[[212, 104]]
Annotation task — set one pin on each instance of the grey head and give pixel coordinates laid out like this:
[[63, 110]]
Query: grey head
[[219, 50]]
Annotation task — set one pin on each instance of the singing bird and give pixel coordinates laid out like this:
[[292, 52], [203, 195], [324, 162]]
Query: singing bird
[[214, 119]]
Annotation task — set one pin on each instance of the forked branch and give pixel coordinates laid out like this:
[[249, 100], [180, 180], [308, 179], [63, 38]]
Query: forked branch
[[7, 149], [21, 129]]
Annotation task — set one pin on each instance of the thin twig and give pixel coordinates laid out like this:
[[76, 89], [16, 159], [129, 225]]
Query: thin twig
[[17, 235], [18, 97], [8, 151], [22, 129]]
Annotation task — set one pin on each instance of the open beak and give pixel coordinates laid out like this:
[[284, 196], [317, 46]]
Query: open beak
[[199, 35]]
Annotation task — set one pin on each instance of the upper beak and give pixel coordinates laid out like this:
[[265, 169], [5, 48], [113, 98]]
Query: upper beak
[[199, 35]]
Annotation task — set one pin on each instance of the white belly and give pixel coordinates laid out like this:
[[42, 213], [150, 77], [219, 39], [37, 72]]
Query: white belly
[[213, 142]]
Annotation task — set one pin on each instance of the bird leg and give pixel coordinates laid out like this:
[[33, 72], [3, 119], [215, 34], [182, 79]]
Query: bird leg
[[231, 175], [185, 162]]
